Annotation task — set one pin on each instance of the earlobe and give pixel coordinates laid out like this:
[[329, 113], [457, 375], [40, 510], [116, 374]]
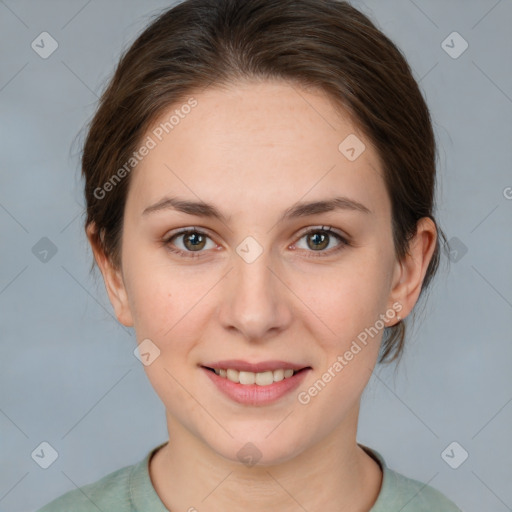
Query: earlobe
[[410, 272], [113, 279]]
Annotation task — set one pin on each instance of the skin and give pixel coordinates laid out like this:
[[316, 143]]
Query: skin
[[254, 150]]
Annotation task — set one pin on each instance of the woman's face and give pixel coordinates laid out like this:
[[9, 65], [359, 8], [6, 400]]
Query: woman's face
[[251, 286]]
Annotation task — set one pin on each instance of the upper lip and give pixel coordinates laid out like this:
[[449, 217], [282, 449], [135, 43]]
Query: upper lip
[[245, 366]]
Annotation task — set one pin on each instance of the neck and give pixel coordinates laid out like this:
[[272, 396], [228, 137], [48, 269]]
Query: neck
[[334, 470]]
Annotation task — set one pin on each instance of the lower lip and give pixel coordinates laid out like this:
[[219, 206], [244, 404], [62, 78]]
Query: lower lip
[[252, 394]]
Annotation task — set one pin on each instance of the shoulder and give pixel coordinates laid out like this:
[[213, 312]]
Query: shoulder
[[411, 495], [399, 492], [112, 492]]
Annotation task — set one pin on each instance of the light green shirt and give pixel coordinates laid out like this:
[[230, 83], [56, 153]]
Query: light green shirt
[[130, 489]]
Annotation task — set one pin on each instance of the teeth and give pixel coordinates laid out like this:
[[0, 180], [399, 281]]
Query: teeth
[[233, 375], [247, 377], [278, 375], [264, 378], [261, 378]]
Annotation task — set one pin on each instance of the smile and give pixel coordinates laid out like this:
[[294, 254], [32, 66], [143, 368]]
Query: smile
[[255, 383], [260, 378]]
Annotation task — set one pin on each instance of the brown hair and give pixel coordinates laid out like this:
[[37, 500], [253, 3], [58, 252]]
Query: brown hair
[[325, 44]]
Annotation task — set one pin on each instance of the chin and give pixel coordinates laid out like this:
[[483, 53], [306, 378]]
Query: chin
[[256, 447]]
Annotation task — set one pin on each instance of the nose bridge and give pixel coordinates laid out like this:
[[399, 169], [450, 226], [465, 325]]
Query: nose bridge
[[256, 302]]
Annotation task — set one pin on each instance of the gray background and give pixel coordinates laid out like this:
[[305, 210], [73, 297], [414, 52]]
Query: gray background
[[68, 374]]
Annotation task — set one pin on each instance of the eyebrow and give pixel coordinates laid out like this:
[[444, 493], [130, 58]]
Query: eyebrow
[[304, 209]]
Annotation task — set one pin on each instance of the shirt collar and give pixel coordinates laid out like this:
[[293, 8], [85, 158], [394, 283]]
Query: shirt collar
[[144, 496]]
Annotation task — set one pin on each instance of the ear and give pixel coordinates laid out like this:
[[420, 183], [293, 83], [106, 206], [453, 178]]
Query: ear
[[113, 278], [409, 273]]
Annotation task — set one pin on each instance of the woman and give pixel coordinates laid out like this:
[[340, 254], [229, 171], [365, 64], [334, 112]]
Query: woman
[[259, 179]]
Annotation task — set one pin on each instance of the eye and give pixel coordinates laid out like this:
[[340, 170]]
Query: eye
[[318, 239], [193, 241]]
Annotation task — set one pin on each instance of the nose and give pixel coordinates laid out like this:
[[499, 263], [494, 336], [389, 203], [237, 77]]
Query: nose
[[255, 301]]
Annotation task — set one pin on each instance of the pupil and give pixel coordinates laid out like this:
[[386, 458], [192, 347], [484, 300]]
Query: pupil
[[194, 238], [318, 238]]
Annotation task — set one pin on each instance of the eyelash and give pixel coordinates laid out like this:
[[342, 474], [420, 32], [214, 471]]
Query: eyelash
[[197, 254]]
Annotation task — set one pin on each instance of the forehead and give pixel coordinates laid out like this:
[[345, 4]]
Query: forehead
[[270, 142]]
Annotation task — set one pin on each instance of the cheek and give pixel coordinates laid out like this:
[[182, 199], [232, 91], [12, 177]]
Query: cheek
[[171, 306], [345, 300], [152, 299], [159, 294], [349, 314], [164, 313], [152, 303]]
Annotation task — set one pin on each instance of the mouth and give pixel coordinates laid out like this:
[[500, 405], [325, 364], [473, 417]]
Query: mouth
[[246, 378], [255, 383]]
